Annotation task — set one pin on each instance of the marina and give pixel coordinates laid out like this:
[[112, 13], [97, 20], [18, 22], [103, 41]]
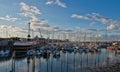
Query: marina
[[59, 36], [65, 58]]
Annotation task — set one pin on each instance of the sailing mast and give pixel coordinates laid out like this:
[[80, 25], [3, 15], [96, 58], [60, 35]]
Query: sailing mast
[[40, 33]]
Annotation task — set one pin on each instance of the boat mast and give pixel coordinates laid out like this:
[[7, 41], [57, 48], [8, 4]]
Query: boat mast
[[40, 33]]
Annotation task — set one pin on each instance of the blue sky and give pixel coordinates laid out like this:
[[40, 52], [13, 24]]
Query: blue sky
[[65, 14]]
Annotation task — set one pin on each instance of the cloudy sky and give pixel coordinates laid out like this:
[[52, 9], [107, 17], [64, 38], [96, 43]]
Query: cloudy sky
[[60, 15]]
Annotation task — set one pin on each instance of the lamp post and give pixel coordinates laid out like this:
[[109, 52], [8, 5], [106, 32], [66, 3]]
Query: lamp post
[[28, 31]]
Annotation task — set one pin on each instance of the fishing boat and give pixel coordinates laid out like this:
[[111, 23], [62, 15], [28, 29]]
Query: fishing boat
[[23, 46]]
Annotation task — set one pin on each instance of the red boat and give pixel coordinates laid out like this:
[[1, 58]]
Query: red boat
[[111, 48]]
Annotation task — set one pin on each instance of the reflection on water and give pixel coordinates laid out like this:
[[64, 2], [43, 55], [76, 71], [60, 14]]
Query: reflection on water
[[67, 62]]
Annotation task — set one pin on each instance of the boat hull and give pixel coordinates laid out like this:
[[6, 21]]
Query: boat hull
[[22, 48]]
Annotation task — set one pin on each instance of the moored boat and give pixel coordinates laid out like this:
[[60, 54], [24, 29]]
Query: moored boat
[[111, 48], [4, 53], [23, 46]]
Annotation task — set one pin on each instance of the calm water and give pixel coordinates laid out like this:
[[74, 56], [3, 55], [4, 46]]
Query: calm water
[[67, 62]]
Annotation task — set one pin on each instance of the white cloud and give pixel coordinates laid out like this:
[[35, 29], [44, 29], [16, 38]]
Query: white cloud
[[3, 26], [8, 18], [41, 24], [51, 28], [12, 28], [35, 20], [79, 16], [57, 2], [38, 23], [24, 6], [29, 11], [95, 17], [35, 10], [113, 27], [49, 2], [112, 24]]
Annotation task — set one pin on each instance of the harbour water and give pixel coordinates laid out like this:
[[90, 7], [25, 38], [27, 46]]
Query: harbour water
[[66, 62]]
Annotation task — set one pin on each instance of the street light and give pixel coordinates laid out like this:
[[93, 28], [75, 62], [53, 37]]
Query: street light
[[28, 31]]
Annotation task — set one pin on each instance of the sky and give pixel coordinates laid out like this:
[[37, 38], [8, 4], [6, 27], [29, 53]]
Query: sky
[[52, 15]]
